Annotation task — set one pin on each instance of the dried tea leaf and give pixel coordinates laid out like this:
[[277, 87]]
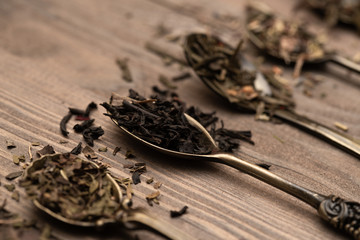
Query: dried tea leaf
[[129, 154], [63, 141], [92, 133], [77, 150], [341, 126], [153, 197], [123, 65], [89, 153], [116, 150], [16, 159], [84, 125], [136, 177], [264, 165], [46, 150], [179, 213], [15, 195], [13, 175], [150, 180], [35, 144], [10, 144], [103, 149], [63, 123], [157, 185], [10, 187]]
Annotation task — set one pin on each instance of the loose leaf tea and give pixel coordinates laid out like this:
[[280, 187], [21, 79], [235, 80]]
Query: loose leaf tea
[[89, 153], [123, 65], [116, 150], [285, 39], [218, 65], [77, 150], [92, 133], [182, 211], [71, 187], [160, 122], [10, 144], [46, 150], [13, 175], [84, 125], [338, 10]]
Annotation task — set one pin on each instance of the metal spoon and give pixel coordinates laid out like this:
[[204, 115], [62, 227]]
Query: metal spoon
[[325, 56], [125, 216], [279, 109], [341, 214]]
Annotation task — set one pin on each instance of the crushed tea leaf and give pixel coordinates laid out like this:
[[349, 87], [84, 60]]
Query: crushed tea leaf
[[89, 153], [9, 187], [13, 175], [116, 150], [10, 144], [45, 150], [179, 213], [77, 150]]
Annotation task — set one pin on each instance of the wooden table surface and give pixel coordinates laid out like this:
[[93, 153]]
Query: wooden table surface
[[60, 54]]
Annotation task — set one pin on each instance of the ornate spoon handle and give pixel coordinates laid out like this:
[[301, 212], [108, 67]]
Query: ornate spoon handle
[[348, 143], [341, 214], [345, 63]]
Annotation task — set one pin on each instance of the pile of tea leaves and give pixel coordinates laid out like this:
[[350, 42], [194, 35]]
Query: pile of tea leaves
[[220, 68], [72, 188], [160, 120], [288, 40]]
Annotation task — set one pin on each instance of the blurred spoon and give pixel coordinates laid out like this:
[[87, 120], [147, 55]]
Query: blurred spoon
[[200, 48], [287, 40]]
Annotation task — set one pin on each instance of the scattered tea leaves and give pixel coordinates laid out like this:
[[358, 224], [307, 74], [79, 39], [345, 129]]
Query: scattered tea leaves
[[45, 150], [77, 150], [63, 123], [123, 65], [103, 149], [150, 180], [84, 125], [13, 175], [89, 153], [179, 213], [10, 187], [10, 144], [136, 177], [116, 150], [15, 195], [129, 154], [92, 133], [157, 185], [63, 141], [153, 197], [35, 144]]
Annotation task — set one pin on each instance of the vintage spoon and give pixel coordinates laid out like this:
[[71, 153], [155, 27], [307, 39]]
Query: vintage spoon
[[195, 52], [258, 12], [125, 216], [341, 214]]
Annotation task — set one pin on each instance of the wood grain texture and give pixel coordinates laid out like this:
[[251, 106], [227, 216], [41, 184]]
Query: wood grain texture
[[60, 54]]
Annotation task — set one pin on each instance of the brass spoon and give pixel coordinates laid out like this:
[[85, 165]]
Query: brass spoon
[[327, 56], [341, 214], [344, 141], [125, 216]]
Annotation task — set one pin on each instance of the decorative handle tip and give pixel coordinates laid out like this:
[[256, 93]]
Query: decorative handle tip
[[341, 214]]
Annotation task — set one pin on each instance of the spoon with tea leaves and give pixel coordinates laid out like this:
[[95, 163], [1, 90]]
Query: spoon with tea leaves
[[158, 124], [81, 193], [242, 85], [289, 40]]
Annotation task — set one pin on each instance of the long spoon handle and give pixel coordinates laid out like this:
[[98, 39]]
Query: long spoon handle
[[346, 142], [345, 63], [341, 214], [165, 228]]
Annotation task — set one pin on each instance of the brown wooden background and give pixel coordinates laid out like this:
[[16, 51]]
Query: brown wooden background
[[60, 54]]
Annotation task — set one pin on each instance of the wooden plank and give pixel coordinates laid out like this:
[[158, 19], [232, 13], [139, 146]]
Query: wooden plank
[[60, 54]]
